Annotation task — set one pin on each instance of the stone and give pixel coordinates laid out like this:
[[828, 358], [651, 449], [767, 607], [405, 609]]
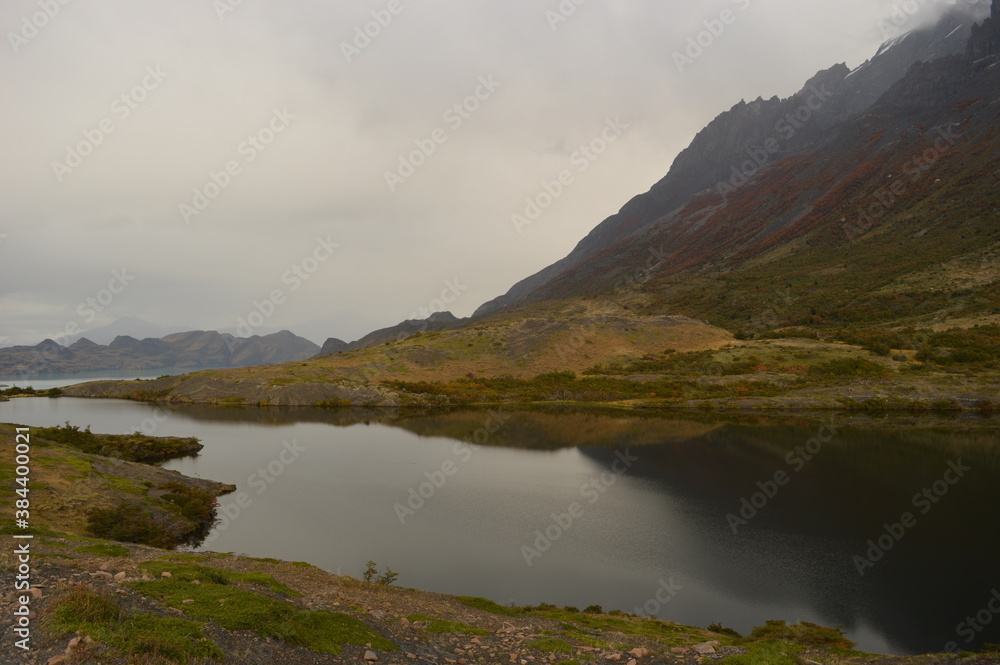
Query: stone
[[120, 577], [704, 649], [56, 660], [103, 574], [165, 574], [640, 652], [371, 655], [189, 601], [36, 592], [106, 565]]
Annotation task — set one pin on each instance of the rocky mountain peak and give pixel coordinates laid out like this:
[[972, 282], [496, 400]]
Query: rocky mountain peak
[[984, 45]]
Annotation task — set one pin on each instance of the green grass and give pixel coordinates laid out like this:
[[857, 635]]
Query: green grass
[[487, 606], [103, 618], [849, 367], [667, 634], [551, 645], [805, 633], [187, 572], [57, 544], [767, 653], [443, 626], [238, 609], [125, 485], [107, 549]]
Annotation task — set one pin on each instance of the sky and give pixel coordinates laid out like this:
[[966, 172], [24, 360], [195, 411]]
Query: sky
[[336, 167]]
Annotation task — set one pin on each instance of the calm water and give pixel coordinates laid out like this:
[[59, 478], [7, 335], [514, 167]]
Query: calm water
[[332, 488], [46, 381]]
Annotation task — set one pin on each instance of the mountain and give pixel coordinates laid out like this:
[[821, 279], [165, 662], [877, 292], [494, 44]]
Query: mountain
[[435, 322], [741, 144], [129, 326], [839, 249], [192, 350]]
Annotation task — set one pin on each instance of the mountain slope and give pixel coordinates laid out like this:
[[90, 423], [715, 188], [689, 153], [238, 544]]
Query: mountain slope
[[747, 139], [435, 322]]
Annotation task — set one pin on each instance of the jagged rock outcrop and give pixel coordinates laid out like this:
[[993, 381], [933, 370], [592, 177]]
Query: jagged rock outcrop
[[984, 45]]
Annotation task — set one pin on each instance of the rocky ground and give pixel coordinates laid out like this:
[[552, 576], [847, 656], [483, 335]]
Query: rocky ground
[[449, 630]]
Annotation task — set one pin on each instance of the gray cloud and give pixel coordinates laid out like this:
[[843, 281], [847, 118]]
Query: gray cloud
[[324, 174]]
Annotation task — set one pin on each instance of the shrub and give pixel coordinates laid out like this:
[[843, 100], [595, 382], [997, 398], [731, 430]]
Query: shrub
[[805, 633], [722, 630], [848, 367], [128, 523]]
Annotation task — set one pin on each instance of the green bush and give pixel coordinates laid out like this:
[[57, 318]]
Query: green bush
[[805, 633], [848, 367], [131, 447]]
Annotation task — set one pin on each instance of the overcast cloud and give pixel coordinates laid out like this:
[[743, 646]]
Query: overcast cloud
[[207, 84]]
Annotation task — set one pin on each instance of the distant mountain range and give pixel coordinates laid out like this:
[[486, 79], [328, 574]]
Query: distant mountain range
[[187, 350]]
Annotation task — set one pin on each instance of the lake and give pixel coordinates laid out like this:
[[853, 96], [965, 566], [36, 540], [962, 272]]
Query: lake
[[47, 381], [693, 518]]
